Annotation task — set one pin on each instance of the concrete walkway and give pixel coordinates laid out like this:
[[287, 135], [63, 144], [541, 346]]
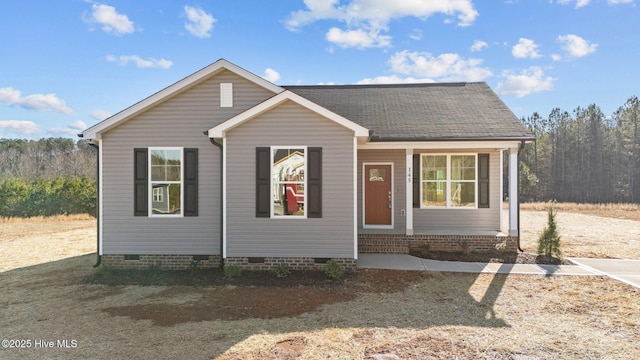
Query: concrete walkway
[[626, 271], [408, 262]]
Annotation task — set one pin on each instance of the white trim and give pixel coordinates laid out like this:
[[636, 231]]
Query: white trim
[[224, 198], [355, 198], [364, 205], [150, 182], [306, 154], [162, 95], [101, 200], [448, 182], [409, 192], [219, 131], [440, 145], [513, 191], [501, 152]]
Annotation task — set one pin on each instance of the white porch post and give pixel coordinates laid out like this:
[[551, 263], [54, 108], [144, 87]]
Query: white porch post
[[409, 192], [513, 192]]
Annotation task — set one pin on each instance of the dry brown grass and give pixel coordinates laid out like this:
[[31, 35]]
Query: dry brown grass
[[611, 210], [439, 316]]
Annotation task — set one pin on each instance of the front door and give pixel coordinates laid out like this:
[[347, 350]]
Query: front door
[[377, 195]]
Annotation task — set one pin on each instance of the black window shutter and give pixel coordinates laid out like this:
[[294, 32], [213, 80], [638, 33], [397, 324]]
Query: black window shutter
[[314, 182], [263, 182], [416, 180], [140, 182], [483, 180], [190, 182]]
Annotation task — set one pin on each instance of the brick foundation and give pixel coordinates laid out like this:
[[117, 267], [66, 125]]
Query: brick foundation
[[165, 262], [402, 244], [293, 263]]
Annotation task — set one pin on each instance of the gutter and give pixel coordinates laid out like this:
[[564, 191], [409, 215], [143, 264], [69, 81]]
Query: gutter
[[98, 256], [219, 146]]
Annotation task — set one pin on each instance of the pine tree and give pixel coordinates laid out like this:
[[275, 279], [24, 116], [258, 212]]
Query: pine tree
[[549, 240]]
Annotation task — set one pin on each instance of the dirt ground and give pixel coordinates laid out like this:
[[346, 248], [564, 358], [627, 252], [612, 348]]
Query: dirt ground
[[373, 314]]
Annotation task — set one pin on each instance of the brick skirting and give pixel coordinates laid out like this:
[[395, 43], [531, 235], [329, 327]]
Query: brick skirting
[[402, 244], [293, 263], [165, 262]]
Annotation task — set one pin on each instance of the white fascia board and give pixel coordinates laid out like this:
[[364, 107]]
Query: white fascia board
[[441, 145], [219, 131], [168, 92]]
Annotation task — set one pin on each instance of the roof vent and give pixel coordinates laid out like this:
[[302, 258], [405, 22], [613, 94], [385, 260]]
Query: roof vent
[[226, 95]]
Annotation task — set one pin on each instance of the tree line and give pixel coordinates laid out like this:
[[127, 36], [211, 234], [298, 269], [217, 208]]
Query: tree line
[[47, 177], [583, 156]]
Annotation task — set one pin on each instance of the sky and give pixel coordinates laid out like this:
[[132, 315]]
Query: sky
[[68, 64]]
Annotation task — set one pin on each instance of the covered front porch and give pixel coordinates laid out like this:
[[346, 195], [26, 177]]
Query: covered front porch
[[485, 225]]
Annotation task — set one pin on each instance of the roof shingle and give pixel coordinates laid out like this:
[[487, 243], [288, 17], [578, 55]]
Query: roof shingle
[[421, 112]]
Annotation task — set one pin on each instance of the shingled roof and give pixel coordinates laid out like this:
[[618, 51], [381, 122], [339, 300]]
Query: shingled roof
[[421, 112]]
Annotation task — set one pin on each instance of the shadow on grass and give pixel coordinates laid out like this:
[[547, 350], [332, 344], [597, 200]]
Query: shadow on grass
[[260, 302]]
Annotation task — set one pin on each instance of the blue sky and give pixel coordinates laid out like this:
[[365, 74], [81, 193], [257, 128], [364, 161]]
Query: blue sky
[[67, 64]]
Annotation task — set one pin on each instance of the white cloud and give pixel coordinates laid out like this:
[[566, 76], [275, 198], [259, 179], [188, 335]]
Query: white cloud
[[111, 21], [444, 67], [40, 102], [617, 2], [140, 62], [526, 48], [529, 81], [416, 35], [579, 3], [271, 75], [19, 127], [575, 46], [366, 19], [393, 79], [358, 38], [478, 45], [199, 23], [100, 114], [73, 129]]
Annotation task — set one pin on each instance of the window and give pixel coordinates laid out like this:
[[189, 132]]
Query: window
[[166, 180], [288, 182], [158, 194], [449, 180], [305, 174]]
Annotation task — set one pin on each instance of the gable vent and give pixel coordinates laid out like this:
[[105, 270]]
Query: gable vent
[[226, 95]]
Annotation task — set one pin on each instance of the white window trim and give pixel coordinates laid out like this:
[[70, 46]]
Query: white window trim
[[271, 184], [448, 182], [158, 196], [151, 182]]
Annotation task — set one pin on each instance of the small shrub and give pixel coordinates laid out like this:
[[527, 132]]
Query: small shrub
[[281, 271], [333, 270], [196, 266], [231, 272], [549, 240], [501, 247]]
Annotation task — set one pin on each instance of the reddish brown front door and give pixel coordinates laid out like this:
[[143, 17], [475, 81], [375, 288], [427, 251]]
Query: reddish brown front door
[[377, 194]]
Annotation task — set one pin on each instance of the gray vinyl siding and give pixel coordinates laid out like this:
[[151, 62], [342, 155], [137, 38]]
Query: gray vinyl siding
[[290, 124], [466, 220], [179, 121], [398, 158]]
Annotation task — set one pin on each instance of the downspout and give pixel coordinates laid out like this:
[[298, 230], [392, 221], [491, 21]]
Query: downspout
[[98, 256], [518, 176], [219, 146]]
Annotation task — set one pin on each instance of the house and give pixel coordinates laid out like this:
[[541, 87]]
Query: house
[[224, 166]]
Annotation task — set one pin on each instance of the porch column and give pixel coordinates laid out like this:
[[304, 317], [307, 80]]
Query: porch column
[[409, 192], [513, 192]]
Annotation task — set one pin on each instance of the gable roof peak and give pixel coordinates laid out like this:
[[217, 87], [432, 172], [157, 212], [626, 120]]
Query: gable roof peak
[[174, 89]]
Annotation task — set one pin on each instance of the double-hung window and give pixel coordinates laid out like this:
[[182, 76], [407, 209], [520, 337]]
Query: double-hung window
[[449, 180], [166, 181], [288, 181]]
